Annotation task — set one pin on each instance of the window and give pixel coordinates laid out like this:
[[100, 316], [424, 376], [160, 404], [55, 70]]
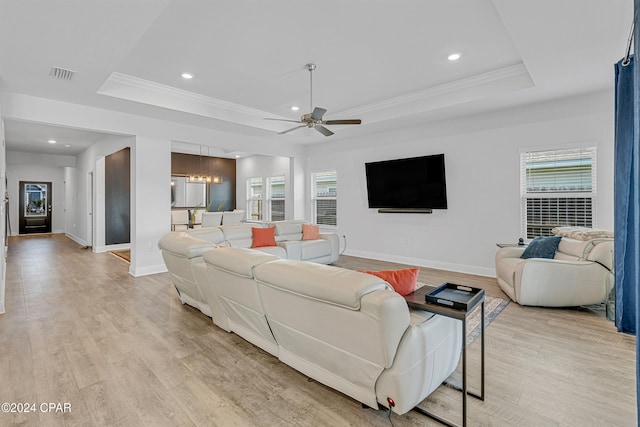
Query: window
[[276, 199], [557, 189], [324, 198], [254, 199]]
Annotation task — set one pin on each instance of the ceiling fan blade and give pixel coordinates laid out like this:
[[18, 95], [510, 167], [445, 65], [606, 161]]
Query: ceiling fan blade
[[282, 120], [318, 113], [323, 130], [343, 122], [292, 129]]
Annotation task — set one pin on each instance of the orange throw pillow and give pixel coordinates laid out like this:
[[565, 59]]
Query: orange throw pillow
[[402, 281], [263, 237], [310, 232]]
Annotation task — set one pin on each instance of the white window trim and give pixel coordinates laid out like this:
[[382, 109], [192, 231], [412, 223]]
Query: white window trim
[[314, 199], [251, 198], [524, 195], [266, 208]]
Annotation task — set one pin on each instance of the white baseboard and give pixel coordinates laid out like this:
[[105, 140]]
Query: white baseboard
[[438, 265], [77, 239], [145, 271]]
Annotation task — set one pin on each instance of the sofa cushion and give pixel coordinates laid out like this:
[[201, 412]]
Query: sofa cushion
[[403, 281], [210, 234], [542, 247], [290, 229], [326, 283], [237, 260], [573, 250], [278, 251], [582, 233], [310, 232], [263, 237], [238, 235], [182, 245]]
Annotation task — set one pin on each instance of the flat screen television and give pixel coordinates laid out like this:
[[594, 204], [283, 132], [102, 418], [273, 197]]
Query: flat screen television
[[407, 184]]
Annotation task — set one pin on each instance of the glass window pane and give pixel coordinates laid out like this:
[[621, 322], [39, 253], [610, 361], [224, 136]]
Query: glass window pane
[[325, 184], [35, 200], [255, 210], [326, 212], [277, 187], [255, 187], [277, 210], [559, 189]]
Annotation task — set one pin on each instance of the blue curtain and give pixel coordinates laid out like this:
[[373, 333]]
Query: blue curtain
[[626, 199]]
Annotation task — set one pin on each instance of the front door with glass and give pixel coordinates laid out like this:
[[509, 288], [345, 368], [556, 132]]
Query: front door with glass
[[35, 207]]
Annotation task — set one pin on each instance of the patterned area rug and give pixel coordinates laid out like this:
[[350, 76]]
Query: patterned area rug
[[493, 306]]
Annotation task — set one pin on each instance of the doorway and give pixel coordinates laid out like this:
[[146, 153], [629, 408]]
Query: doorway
[[35, 207]]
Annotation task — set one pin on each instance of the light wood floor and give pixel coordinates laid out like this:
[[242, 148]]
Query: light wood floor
[[123, 351]]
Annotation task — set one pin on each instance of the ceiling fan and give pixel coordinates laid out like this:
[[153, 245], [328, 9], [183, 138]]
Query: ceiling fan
[[314, 119]]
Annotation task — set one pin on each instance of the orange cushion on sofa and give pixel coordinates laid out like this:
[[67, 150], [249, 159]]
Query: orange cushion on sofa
[[310, 232], [263, 237], [402, 281]]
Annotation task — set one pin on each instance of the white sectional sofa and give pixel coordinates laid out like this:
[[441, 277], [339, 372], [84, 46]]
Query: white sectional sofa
[[288, 236], [345, 329], [182, 254]]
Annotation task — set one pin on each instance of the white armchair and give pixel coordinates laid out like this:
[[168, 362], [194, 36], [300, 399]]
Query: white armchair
[[581, 273]]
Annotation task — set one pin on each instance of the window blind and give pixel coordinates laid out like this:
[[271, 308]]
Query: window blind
[[557, 189], [324, 193]]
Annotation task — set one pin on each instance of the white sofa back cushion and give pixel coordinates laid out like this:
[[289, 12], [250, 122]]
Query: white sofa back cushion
[[287, 229], [337, 326], [325, 283], [210, 234]]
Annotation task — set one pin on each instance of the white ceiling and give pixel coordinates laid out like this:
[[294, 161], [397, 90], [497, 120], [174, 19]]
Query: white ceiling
[[379, 60]]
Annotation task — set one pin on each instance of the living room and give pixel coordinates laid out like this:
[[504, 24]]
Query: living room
[[480, 124]]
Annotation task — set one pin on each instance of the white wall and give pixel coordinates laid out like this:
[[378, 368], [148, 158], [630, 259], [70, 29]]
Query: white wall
[[150, 203], [482, 169], [17, 171], [79, 220], [265, 166]]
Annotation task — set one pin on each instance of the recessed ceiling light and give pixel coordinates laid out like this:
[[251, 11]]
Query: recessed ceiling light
[[52, 141], [453, 57], [186, 76], [294, 108], [67, 146], [237, 156]]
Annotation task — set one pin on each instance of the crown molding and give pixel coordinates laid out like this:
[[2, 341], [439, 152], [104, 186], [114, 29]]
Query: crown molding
[[132, 88], [491, 83]]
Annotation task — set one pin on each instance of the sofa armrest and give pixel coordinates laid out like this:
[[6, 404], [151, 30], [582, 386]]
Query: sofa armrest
[[509, 252], [293, 249], [334, 240]]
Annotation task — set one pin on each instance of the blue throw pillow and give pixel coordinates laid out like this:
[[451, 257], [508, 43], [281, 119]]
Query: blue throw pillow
[[542, 247]]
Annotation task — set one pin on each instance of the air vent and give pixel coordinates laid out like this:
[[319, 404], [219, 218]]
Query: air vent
[[61, 73]]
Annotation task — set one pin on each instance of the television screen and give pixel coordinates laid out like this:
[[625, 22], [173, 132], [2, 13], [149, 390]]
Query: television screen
[[412, 183]]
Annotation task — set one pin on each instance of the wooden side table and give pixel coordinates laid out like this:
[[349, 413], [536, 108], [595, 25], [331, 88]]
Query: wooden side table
[[416, 300]]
